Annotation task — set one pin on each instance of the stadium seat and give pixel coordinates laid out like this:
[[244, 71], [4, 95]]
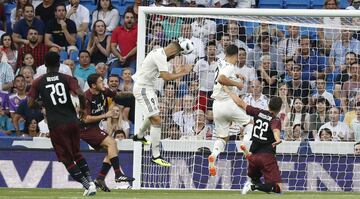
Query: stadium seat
[[271, 4], [344, 4], [297, 4], [317, 4], [116, 71], [87, 2], [63, 55]]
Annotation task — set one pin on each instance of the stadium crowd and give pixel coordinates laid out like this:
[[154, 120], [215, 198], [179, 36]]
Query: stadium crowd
[[316, 73]]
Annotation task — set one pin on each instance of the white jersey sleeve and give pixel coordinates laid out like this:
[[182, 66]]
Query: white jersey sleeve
[[149, 71]]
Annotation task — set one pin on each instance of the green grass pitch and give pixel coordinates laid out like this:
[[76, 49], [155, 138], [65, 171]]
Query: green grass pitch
[[6, 193]]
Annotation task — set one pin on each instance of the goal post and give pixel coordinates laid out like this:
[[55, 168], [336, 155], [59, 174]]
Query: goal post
[[305, 165]]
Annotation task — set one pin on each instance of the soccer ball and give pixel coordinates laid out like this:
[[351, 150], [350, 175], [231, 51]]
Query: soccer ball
[[186, 45]]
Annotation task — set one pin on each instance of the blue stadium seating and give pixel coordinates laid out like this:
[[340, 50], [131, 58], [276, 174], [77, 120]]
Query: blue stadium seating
[[317, 4], [297, 4], [271, 4], [116, 71]]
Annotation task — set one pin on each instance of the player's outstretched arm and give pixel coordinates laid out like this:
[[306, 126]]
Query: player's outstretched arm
[[238, 101], [172, 76], [223, 80], [278, 140]]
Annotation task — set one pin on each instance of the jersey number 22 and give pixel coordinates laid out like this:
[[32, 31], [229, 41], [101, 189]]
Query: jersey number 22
[[260, 128]]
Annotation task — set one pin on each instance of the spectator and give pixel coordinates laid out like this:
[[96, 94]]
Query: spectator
[[123, 43], [297, 134], [199, 129], [297, 87], [127, 98], [230, 4], [41, 70], [22, 27], [355, 4], [61, 32], [99, 44], [222, 45], [320, 91], [355, 123], [312, 64], [28, 74], [325, 135], [4, 128], [234, 31], [340, 131], [319, 117], [248, 74], [199, 46], [267, 76], [287, 75], [256, 98], [357, 148], [2, 18], [8, 51], [298, 115], [287, 47], [81, 16], [113, 83], [28, 61], [271, 31], [135, 8], [17, 97], [172, 27], [350, 59], [350, 109], [102, 69], [339, 49], [286, 101], [185, 118], [119, 135], [116, 122], [156, 37], [35, 47], [204, 29], [84, 68], [31, 128], [127, 83], [46, 10], [264, 47], [6, 76], [327, 36], [17, 12], [106, 12], [351, 87], [205, 69], [70, 67]]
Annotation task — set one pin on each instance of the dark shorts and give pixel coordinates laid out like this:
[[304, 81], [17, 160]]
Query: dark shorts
[[66, 142], [93, 136], [264, 164]]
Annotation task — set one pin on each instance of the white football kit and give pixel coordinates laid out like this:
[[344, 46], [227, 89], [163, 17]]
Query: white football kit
[[224, 108], [145, 78]]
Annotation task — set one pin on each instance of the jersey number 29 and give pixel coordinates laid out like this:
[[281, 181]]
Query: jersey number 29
[[57, 93], [260, 128]]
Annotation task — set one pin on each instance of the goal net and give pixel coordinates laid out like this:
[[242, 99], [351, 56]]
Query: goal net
[[310, 61]]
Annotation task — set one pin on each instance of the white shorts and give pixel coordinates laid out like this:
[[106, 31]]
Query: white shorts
[[147, 99], [225, 113]]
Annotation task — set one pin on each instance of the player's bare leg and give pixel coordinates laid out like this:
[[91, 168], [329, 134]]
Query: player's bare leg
[[219, 146], [155, 133], [140, 136], [110, 144]]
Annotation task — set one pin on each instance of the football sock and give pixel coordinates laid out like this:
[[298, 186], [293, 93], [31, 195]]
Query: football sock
[[83, 166], [267, 187], [144, 126], [76, 174], [104, 171], [219, 147], [155, 133], [115, 164]]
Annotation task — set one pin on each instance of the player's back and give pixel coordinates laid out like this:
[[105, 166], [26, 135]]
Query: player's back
[[227, 69], [54, 89], [149, 70], [262, 134]]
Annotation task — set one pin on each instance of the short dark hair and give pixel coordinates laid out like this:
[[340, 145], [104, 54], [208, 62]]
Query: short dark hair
[[210, 43], [357, 143], [19, 76], [275, 104], [84, 51], [242, 49], [328, 131], [117, 132], [33, 28], [114, 75], [60, 4], [232, 50], [263, 37], [52, 60], [92, 79], [28, 5]]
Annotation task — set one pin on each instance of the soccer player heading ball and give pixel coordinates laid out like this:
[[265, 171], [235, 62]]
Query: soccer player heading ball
[[156, 65], [265, 137]]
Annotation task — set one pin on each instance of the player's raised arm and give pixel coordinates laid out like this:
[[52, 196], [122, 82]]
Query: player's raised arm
[[172, 76], [238, 101]]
